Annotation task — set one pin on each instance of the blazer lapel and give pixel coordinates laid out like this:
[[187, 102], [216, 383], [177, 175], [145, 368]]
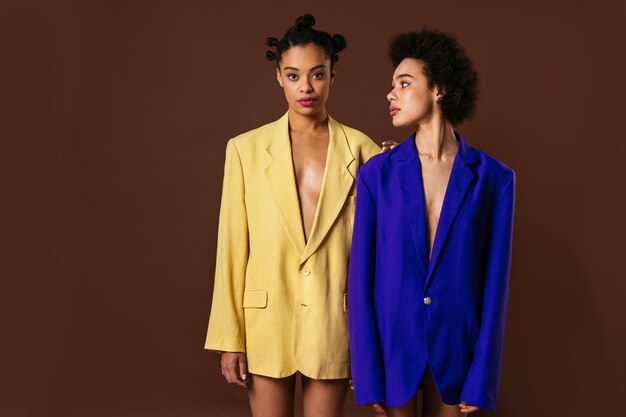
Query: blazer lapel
[[460, 179], [279, 174], [339, 175], [412, 192]]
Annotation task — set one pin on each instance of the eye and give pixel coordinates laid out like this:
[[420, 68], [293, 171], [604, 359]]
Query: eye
[[403, 84], [319, 75], [292, 77]]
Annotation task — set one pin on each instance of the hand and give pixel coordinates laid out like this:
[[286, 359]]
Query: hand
[[235, 368], [467, 408], [379, 409], [388, 145]]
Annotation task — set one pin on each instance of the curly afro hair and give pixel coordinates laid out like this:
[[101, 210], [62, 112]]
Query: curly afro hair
[[446, 66], [302, 34]]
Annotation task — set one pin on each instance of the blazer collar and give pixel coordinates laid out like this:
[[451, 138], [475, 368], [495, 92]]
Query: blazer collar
[[412, 188], [412, 194], [339, 175], [280, 176], [461, 178]]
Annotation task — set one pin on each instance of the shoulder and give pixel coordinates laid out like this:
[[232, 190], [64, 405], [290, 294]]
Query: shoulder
[[255, 137], [494, 166], [378, 161], [359, 140], [493, 171], [356, 136], [381, 162]]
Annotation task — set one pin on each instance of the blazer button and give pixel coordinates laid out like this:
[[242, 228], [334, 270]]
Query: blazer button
[[307, 272], [427, 300]]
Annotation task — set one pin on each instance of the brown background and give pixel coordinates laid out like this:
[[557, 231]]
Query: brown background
[[114, 118]]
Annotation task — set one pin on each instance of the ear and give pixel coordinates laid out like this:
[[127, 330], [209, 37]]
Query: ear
[[332, 76], [440, 93], [278, 77]]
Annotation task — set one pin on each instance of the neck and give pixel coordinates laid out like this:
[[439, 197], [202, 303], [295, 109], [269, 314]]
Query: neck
[[300, 123], [436, 139]]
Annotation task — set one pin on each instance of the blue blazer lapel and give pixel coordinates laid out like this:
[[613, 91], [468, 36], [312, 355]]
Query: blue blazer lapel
[[460, 179], [412, 192]]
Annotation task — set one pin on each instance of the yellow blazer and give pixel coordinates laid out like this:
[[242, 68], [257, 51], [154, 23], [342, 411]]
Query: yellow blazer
[[279, 300]]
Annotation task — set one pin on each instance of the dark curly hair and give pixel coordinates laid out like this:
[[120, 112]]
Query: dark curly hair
[[446, 66], [302, 34]]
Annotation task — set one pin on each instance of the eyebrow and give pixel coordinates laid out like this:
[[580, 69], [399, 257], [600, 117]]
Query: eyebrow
[[312, 69], [404, 75]]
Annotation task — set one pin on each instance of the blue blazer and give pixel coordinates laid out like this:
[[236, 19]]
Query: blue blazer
[[407, 312]]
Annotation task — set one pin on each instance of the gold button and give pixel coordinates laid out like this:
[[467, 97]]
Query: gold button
[[307, 272], [427, 300]]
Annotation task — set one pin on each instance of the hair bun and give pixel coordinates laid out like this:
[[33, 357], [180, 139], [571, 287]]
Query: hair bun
[[270, 55], [305, 21], [271, 41], [339, 42]]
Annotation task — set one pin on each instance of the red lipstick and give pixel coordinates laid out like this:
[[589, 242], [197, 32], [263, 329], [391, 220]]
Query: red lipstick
[[306, 101], [393, 111]]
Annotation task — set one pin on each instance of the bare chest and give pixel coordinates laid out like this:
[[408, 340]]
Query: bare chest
[[309, 160], [435, 177]]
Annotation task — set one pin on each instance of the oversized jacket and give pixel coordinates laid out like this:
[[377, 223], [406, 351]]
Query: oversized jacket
[[276, 298], [447, 312]]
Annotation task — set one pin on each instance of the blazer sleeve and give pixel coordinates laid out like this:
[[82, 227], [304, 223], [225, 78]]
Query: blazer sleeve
[[481, 384], [367, 361], [226, 331]]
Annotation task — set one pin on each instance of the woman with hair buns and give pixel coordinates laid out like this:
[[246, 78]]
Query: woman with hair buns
[[279, 302]]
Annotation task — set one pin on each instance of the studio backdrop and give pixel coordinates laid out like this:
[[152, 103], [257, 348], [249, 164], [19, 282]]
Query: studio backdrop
[[115, 116]]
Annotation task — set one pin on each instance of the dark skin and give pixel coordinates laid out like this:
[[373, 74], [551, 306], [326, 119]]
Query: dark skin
[[305, 74], [309, 147], [413, 103]]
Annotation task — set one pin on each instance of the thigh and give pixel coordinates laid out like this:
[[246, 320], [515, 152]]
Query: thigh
[[271, 397], [324, 397], [433, 406]]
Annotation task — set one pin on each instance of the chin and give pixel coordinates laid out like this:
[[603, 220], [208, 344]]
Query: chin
[[397, 123], [303, 110], [312, 111], [403, 122]]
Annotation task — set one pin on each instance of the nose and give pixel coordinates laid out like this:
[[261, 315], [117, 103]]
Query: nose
[[391, 96], [305, 85]]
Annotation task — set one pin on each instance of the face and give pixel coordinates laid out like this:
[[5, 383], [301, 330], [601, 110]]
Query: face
[[411, 101], [305, 77]]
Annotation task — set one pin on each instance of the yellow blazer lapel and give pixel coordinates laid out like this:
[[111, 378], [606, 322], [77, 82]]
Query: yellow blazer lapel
[[279, 174], [339, 175]]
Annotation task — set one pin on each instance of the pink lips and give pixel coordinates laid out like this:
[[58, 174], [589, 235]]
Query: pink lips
[[393, 111], [307, 101]]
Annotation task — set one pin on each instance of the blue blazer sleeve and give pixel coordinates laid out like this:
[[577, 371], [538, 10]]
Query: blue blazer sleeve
[[368, 378], [481, 384]]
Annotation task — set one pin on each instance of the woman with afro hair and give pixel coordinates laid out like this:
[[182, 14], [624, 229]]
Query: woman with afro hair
[[279, 301], [430, 259]]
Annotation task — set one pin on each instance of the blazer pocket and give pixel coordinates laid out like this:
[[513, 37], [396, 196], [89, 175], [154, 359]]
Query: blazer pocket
[[345, 303], [255, 299]]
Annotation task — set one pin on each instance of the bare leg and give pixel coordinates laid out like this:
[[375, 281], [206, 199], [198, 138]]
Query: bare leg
[[433, 406], [408, 409], [430, 404], [271, 397], [324, 398]]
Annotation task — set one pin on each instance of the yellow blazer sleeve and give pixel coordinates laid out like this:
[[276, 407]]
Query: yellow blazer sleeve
[[226, 332]]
